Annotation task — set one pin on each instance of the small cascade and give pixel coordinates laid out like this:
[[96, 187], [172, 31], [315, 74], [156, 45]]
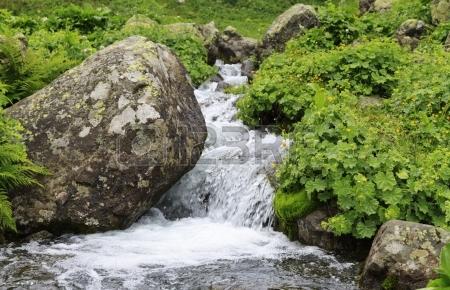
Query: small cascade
[[212, 229], [230, 181]]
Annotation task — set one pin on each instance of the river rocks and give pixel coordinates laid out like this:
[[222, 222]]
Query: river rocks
[[232, 47], [290, 24], [374, 5], [410, 32], [116, 132], [440, 11], [404, 253], [310, 232]]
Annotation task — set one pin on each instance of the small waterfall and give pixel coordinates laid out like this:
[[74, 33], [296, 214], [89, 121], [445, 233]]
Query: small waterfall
[[217, 235], [230, 181]]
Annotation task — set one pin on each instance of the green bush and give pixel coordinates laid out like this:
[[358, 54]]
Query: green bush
[[365, 161], [85, 19], [286, 83], [16, 170]]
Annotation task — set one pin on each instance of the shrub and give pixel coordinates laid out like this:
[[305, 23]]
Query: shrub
[[286, 83], [16, 170], [26, 71], [366, 163], [422, 99], [85, 19]]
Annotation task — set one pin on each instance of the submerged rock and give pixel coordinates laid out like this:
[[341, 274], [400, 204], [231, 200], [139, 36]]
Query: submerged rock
[[116, 132], [404, 253], [291, 23], [310, 232], [410, 32]]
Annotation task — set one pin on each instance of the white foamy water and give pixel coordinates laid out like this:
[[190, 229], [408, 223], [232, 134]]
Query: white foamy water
[[225, 205]]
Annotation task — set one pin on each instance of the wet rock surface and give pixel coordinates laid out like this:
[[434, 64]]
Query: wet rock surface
[[115, 132], [310, 232], [406, 253]]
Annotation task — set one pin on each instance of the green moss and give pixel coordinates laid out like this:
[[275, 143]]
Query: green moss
[[390, 283], [289, 207]]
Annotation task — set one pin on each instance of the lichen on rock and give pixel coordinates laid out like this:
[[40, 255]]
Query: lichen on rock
[[109, 132]]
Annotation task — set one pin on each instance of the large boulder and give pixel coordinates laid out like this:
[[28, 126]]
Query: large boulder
[[291, 23], [404, 255], [410, 32], [311, 232], [232, 47], [116, 132], [440, 11]]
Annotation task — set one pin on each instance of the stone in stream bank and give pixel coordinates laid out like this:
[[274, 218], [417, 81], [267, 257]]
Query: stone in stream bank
[[116, 132], [403, 255]]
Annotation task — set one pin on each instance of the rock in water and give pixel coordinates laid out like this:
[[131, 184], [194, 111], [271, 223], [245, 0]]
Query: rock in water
[[290, 24], [116, 132], [404, 253]]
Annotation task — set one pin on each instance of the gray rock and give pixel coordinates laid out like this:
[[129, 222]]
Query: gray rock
[[39, 236], [231, 47], [248, 68], [139, 21], [288, 25], [410, 32], [116, 132], [440, 11], [406, 253], [371, 101], [310, 232], [208, 33], [365, 5], [374, 5]]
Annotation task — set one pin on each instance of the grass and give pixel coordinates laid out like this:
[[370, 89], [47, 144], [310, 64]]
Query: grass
[[251, 17]]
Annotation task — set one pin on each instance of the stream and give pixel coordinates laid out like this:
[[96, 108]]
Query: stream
[[210, 231]]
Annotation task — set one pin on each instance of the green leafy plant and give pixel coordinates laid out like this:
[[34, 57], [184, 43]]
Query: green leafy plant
[[16, 170], [287, 83], [443, 282]]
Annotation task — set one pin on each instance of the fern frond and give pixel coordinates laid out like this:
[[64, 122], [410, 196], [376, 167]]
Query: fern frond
[[7, 221]]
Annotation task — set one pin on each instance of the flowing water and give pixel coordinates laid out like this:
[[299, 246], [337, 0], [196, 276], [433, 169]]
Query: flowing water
[[210, 231]]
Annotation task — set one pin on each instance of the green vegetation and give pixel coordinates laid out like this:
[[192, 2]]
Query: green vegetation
[[250, 17], [15, 168], [443, 282], [376, 162]]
